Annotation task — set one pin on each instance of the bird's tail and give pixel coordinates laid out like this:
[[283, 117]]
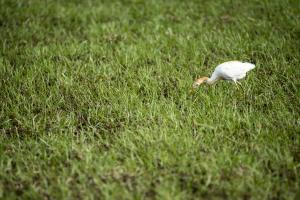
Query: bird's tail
[[250, 65]]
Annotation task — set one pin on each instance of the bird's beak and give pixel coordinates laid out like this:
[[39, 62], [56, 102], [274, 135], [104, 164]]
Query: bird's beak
[[192, 90]]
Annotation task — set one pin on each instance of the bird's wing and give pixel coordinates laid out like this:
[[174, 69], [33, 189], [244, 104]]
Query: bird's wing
[[233, 69]]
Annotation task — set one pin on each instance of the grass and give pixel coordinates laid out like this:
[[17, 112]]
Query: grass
[[95, 100]]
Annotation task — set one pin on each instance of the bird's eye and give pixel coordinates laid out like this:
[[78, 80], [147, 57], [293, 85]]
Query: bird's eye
[[196, 84]]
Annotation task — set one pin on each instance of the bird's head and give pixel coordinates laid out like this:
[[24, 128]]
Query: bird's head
[[199, 81]]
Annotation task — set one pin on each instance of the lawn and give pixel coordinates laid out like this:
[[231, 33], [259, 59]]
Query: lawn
[[96, 102]]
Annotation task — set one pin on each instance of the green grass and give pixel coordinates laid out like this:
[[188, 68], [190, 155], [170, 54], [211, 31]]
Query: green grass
[[95, 100]]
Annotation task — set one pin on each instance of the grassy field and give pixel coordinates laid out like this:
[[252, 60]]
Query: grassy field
[[95, 100]]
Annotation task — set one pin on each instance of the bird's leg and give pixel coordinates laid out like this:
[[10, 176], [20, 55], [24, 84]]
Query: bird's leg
[[238, 83], [242, 87], [235, 82]]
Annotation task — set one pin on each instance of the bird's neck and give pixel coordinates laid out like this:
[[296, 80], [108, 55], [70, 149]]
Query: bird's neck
[[210, 81]]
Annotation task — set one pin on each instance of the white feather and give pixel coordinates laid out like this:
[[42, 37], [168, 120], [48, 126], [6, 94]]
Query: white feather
[[232, 70]]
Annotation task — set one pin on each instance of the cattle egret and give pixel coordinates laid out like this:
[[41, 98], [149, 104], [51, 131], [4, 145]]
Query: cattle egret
[[232, 70]]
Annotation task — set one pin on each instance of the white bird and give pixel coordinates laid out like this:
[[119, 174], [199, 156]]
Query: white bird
[[232, 70]]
